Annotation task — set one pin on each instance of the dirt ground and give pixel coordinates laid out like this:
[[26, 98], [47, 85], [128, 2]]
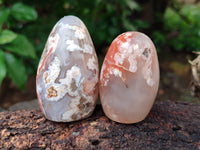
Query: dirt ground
[[10, 94], [175, 82]]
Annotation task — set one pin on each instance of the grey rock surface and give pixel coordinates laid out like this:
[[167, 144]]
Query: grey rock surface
[[27, 105], [169, 125]]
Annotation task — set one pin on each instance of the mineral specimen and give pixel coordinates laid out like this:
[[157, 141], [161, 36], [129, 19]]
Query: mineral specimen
[[129, 78], [67, 75]]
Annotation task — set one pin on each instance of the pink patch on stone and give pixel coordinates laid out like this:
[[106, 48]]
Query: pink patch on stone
[[67, 76], [129, 78]]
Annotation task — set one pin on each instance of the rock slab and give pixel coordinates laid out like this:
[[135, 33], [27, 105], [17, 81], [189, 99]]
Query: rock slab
[[169, 125]]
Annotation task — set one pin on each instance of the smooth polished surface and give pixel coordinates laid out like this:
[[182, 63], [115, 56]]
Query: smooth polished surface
[[129, 78], [67, 75]]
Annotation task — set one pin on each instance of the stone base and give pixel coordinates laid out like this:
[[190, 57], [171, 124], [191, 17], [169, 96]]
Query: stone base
[[170, 125]]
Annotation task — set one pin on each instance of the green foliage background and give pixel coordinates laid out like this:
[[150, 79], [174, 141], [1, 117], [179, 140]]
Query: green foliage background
[[15, 47], [25, 26], [181, 27]]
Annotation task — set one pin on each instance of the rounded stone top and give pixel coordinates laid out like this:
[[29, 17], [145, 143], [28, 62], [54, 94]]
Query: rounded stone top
[[71, 20]]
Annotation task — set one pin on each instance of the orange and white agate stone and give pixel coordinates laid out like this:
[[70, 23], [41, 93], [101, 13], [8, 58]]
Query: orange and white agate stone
[[129, 78], [67, 76]]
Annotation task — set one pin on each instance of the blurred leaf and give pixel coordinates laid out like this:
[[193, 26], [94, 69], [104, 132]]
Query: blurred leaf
[[3, 16], [159, 40], [140, 24], [182, 26], [2, 66], [178, 43], [128, 25], [23, 12], [7, 36], [132, 5], [86, 11], [97, 2], [110, 8], [22, 46], [191, 12], [16, 70], [172, 19]]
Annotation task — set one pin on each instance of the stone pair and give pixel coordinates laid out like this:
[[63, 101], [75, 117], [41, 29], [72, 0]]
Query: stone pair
[[67, 79]]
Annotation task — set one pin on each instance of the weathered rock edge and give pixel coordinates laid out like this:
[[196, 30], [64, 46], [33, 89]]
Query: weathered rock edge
[[170, 125]]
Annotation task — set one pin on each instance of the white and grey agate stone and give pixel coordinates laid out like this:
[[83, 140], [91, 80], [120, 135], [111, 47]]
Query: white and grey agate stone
[[67, 75]]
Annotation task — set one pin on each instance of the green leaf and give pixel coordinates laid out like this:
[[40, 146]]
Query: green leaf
[[140, 24], [20, 45], [172, 19], [7, 36], [191, 12], [23, 12], [16, 70], [128, 25], [3, 15], [2, 66], [159, 38], [132, 5]]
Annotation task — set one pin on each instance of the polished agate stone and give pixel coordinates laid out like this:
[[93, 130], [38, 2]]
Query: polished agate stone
[[67, 75], [129, 78]]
